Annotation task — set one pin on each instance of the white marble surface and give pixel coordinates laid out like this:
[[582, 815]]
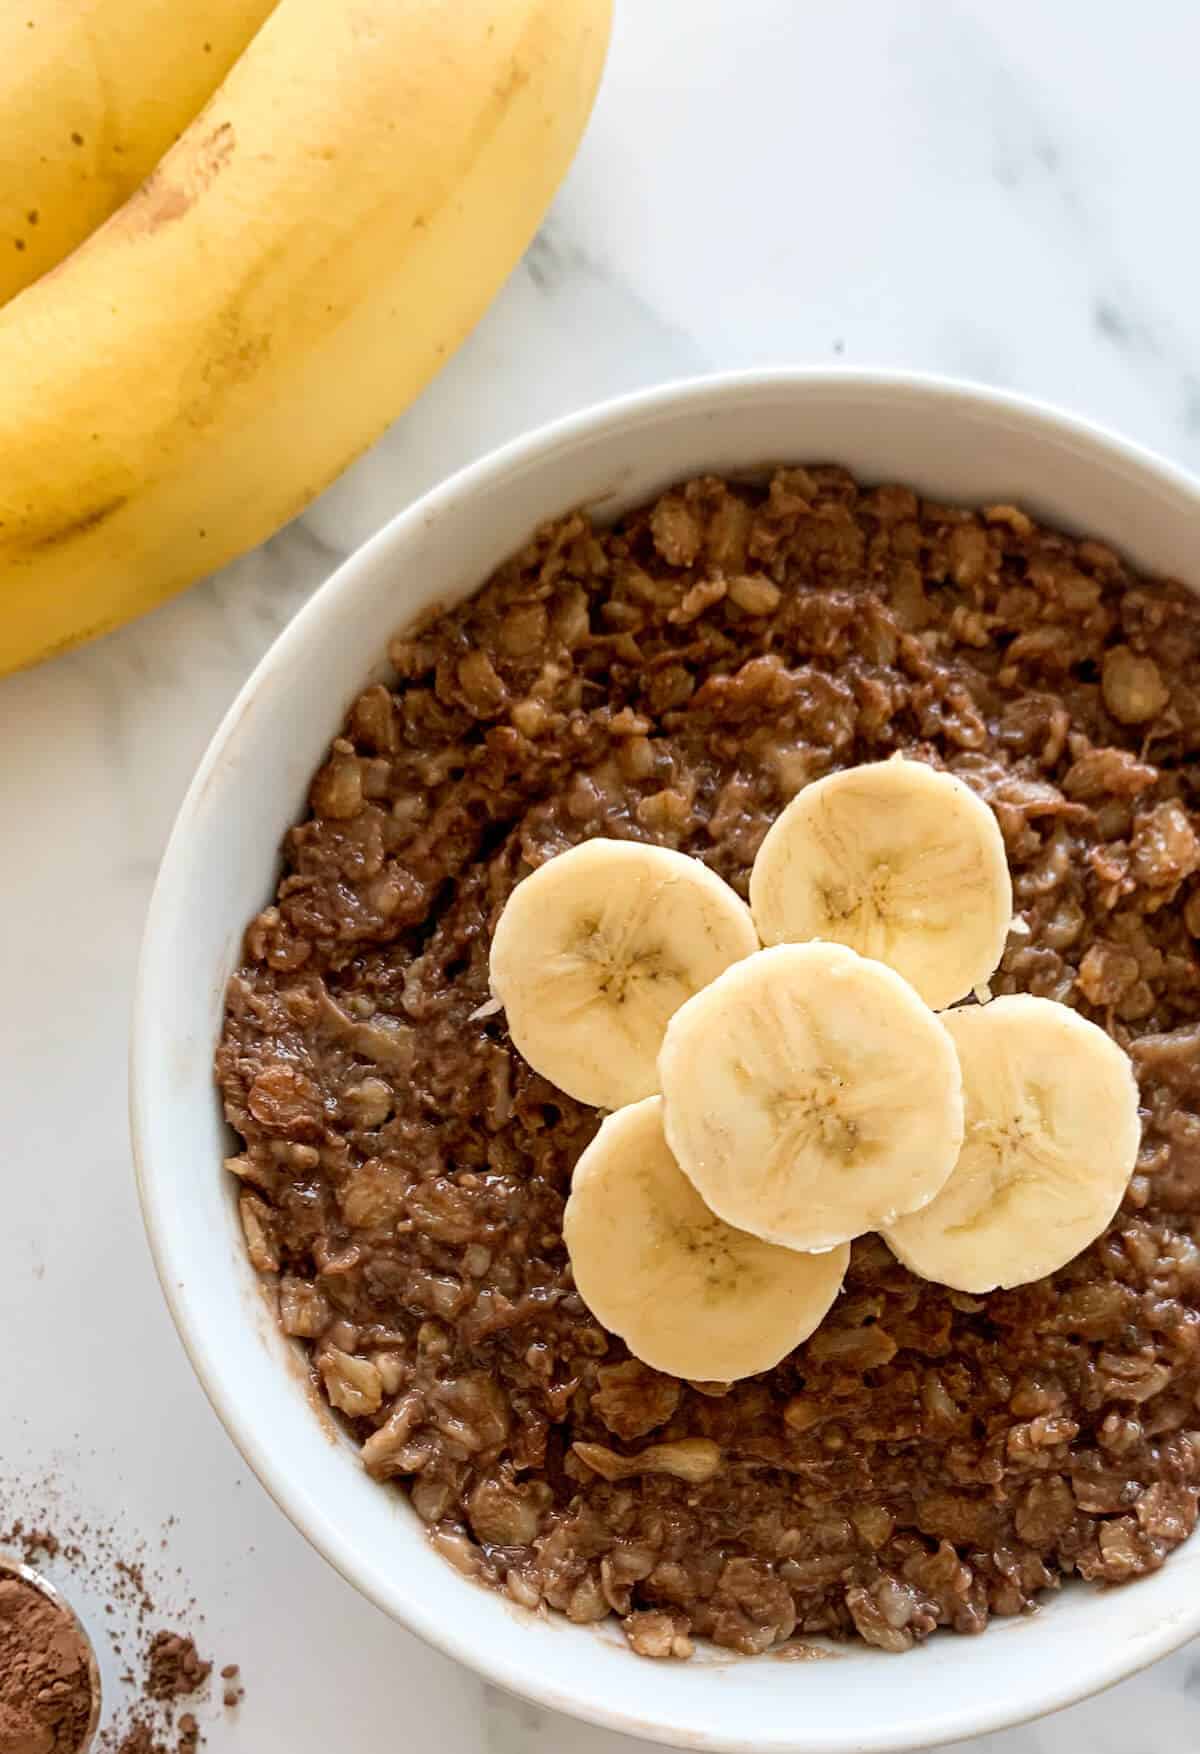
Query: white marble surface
[[1000, 191]]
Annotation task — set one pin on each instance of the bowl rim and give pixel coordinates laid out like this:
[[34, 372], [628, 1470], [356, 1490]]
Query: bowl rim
[[520, 454]]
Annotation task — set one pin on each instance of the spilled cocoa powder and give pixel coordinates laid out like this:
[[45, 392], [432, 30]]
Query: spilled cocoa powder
[[46, 1689], [45, 1681], [174, 1667], [172, 1670]]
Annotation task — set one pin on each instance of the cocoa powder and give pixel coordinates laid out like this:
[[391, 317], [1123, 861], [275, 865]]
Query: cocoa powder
[[174, 1667], [139, 1739], [123, 1585], [45, 1675]]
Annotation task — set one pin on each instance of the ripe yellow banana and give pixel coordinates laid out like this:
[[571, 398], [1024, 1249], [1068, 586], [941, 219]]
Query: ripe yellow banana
[[304, 259], [92, 93]]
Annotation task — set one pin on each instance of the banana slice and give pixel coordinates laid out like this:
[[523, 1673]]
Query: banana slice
[[686, 1293], [598, 948], [1051, 1140], [900, 862], [809, 1095]]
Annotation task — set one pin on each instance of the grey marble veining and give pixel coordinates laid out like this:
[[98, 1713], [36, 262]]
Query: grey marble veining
[[1005, 192]]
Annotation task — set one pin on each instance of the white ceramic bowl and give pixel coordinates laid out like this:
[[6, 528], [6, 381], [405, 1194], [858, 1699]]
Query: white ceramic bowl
[[954, 442]]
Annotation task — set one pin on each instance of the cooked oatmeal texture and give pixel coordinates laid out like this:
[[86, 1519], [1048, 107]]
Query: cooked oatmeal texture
[[926, 1459]]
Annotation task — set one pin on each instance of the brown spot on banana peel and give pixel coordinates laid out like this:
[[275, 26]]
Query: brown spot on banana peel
[[156, 204], [508, 87], [237, 355], [162, 198], [38, 541], [68, 642]]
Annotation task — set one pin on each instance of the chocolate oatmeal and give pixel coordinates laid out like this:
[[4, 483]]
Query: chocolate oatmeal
[[927, 1458]]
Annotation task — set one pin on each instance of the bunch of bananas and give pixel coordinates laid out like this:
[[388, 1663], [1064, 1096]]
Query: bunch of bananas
[[236, 239]]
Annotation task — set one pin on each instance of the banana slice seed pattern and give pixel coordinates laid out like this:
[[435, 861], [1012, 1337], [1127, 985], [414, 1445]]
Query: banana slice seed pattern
[[1009, 1183]]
